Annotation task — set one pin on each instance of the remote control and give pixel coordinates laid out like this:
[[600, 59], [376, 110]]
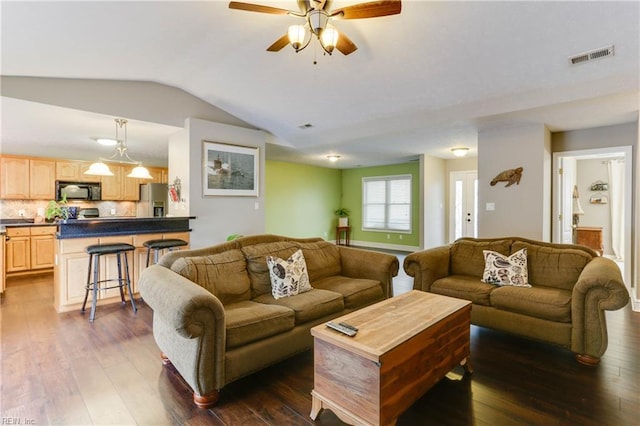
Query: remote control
[[344, 324], [342, 329]]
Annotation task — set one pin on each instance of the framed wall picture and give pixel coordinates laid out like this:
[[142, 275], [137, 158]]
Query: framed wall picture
[[229, 170]]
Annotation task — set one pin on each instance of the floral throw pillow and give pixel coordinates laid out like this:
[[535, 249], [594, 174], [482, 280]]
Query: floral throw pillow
[[502, 270], [288, 277]]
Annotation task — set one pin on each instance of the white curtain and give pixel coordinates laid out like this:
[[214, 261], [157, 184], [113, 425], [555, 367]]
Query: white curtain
[[616, 203]]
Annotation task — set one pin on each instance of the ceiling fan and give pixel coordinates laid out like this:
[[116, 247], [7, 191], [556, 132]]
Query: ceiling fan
[[318, 14]]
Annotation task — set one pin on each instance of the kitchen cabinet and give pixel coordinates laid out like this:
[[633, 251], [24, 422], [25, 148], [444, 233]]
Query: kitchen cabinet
[[29, 248], [27, 179], [70, 273], [73, 171], [120, 187]]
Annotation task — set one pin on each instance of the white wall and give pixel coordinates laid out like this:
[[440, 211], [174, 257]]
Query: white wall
[[434, 189], [218, 217], [520, 210]]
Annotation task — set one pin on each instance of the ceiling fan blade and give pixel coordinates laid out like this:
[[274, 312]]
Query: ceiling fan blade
[[258, 8], [279, 44], [369, 10], [345, 45]]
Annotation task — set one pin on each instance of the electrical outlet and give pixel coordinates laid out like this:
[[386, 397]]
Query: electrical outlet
[[21, 213], [113, 212], [400, 236], [388, 236]]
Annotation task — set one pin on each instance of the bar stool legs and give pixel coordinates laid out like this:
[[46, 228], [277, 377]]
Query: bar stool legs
[[95, 251]]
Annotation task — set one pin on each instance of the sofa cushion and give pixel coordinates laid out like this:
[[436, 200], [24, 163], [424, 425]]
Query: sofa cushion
[[506, 270], [256, 257], [553, 267], [357, 292], [223, 275], [308, 306], [464, 287], [249, 321], [323, 259], [288, 277], [547, 303], [467, 258]]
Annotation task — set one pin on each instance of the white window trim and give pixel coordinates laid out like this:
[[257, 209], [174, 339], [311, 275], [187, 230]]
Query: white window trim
[[387, 179]]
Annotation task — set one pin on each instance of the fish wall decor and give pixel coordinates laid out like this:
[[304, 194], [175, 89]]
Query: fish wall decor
[[510, 176]]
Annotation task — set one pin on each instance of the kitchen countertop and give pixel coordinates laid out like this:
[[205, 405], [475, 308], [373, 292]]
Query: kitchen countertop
[[105, 226], [111, 226]]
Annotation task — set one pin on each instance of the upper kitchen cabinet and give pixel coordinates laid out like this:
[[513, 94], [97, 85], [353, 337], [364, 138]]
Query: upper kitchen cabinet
[[24, 178], [120, 187], [73, 171]]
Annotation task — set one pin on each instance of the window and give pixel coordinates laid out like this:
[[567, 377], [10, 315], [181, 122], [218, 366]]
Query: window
[[386, 203]]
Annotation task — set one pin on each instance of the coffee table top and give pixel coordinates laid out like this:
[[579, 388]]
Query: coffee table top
[[387, 324]]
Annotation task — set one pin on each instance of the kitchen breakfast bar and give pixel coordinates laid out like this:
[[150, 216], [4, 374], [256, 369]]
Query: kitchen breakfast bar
[[72, 260]]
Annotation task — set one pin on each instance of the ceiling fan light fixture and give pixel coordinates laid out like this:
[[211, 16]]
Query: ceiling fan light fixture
[[297, 34], [460, 151], [318, 20], [329, 38]]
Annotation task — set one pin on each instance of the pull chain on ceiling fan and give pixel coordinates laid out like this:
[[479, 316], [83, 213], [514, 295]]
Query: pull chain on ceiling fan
[[318, 14]]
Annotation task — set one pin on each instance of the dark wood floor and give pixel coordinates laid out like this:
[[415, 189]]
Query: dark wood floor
[[60, 369]]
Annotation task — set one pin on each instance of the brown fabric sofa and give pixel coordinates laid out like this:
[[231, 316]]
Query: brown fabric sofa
[[214, 317], [571, 287]]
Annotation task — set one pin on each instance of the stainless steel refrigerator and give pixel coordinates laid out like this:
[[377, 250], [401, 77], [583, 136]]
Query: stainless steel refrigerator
[[153, 200]]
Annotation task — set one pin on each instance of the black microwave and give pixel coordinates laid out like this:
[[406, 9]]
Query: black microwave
[[89, 191]]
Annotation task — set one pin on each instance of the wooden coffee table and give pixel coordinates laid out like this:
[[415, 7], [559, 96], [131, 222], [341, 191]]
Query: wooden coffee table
[[404, 346]]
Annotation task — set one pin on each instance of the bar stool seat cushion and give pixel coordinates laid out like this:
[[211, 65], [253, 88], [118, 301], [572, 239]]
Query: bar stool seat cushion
[[109, 248], [163, 244]]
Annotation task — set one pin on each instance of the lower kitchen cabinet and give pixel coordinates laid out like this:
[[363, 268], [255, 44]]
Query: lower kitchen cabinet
[[70, 272], [29, 248]]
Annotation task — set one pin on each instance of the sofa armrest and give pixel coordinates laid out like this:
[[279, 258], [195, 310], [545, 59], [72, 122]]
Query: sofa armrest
[[374, 265], [600, 287], [177, 300], [427, 266]]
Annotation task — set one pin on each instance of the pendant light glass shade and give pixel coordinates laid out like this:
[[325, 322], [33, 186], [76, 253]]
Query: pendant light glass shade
[[329, 38], [140, 173], [297, 34], [99, 169]]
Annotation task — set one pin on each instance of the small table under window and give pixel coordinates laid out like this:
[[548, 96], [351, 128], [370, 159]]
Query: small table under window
[[343, 231]]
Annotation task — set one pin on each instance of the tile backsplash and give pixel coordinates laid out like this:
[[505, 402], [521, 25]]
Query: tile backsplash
[[10, 209]]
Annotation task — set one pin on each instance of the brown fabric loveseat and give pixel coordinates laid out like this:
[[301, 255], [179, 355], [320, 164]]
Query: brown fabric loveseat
[[214, 317], [571, 287]]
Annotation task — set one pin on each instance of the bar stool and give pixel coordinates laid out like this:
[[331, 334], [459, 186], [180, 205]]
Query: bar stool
[[158, 245], [95, 251]]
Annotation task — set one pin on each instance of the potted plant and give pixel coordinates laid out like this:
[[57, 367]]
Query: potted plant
[[343, 216], [57, 209]]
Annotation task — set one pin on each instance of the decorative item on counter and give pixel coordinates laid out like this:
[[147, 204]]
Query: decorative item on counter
[[57, 210], [599, 186], [510, 176]]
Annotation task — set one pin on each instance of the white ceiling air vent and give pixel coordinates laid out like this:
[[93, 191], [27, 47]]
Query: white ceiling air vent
[[592, 55]]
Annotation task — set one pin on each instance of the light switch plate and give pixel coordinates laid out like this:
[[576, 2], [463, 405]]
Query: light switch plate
[[490, 207]]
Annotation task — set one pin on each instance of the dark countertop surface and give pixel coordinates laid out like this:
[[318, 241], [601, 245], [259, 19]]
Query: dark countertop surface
[[112, 226], [105, 226]]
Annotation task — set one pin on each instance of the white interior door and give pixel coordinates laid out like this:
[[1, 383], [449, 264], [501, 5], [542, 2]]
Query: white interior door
[[463, 204], [567, 180]]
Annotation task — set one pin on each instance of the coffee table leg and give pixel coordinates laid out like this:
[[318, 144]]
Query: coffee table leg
[[466, 364], [316, 406]]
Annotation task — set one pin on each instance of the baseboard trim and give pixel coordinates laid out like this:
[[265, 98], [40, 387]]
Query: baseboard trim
[[397, 247]]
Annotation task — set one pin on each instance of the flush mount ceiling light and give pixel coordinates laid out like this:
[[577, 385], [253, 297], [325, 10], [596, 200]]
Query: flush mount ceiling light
[[317, 14], [120, 155], [333, 158], [460, 152]]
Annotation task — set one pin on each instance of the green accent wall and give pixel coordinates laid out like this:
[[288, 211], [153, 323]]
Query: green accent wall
[[300, 199], [352, 200]]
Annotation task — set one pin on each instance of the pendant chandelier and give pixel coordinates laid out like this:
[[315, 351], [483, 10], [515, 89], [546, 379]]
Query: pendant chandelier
[[120, 155]]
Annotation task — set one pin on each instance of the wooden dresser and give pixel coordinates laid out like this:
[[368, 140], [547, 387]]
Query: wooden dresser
[[591, 237]]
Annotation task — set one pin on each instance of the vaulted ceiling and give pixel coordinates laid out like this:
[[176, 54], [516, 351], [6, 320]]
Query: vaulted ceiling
[[420, 82]]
